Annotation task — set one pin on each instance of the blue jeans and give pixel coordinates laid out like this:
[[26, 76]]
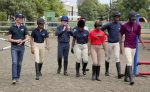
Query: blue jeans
[[17, 53]]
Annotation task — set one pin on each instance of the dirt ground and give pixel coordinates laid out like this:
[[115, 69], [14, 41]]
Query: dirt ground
[[52, 82]]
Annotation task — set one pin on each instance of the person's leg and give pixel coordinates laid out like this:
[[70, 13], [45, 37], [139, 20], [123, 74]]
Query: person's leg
[[59, 57], [94, 60], [19, 62], [116, 52], [14, 63], [85, 58], [128, 53], [37, 60], [109, 54], [65, 55], [98, 63], [42, 56], [79, 58]]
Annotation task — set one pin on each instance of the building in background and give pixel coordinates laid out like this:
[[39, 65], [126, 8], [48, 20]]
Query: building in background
[[72, 9]]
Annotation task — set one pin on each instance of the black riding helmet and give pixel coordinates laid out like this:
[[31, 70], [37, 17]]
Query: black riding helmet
[[132, 15], [81, 23], [116, 13]]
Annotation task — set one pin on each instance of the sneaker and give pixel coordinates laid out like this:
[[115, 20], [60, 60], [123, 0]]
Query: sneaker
[[14, 82]]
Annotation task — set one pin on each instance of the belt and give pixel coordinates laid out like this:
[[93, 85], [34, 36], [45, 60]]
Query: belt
[[113, 41]]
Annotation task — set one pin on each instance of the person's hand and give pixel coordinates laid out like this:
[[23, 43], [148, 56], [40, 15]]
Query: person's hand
[[18, 41], [72, 51], [68, 28], [144, 47], [32, 50], [64, 28], [21, 42]]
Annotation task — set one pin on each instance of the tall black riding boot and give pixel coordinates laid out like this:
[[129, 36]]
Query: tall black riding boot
[[97, 73], [84, 68], [77, 69], [118, 66], [129, 68], [40, 68], [93, 72], [37, 71], [126, 75], [106, 68], [59, 66], [65, 68]]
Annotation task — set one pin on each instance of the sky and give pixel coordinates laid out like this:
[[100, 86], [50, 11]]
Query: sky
[[73, 2]]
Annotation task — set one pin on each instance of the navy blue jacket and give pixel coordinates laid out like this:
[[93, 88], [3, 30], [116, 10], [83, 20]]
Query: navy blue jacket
[[113, 29], [18, 33], [63, 36], [81, 36], [38, 35]]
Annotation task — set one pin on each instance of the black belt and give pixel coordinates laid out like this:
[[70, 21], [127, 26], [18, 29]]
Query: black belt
[[113, 41]]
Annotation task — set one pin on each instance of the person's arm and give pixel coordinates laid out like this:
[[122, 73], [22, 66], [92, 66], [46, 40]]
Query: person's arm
[[59, 31], [31, 44], [120, 42], [10, 37], [140, 39], [72, 45], [105, 49], [105, 28], [27, 38], [89, 47], [13, 40], [47, 43]]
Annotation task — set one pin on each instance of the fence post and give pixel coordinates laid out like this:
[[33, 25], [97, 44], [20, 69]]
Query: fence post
[[136, 53]]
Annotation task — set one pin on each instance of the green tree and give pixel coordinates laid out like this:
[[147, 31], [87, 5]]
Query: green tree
[[31, 8], [92, 9]]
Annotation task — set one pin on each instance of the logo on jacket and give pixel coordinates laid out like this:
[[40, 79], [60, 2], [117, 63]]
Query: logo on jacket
[[22, 30]]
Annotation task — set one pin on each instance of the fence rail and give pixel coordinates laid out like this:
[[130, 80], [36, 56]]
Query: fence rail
[[4, 25]]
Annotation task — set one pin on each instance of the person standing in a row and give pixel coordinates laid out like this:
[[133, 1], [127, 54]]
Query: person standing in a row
[[113, 48], [63, 31], [38, 42], [130, 29], [80, 37], [96, 40], [18, 35]]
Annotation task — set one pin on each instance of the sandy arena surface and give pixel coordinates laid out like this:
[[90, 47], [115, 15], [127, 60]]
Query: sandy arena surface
[[52, 82]]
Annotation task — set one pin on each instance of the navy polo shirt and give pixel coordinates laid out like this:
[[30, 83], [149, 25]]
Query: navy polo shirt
[[113, 29], [63, 36], [18, 33], [81, 36], [39, 36]]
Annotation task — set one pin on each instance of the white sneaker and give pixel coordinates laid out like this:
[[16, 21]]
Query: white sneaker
[[14, 82]]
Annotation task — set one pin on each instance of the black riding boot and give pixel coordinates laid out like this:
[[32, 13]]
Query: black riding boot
[[40, 68], [84, 68], [118, 66], [59, 66], [37, 71], [93, 72], [129, 68], [126, 75], [106, 68], [65, 68], [97, 73], [77, 69]]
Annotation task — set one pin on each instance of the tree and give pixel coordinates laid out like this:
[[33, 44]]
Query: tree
[[140, 6], [31, 8], [92, 9]]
